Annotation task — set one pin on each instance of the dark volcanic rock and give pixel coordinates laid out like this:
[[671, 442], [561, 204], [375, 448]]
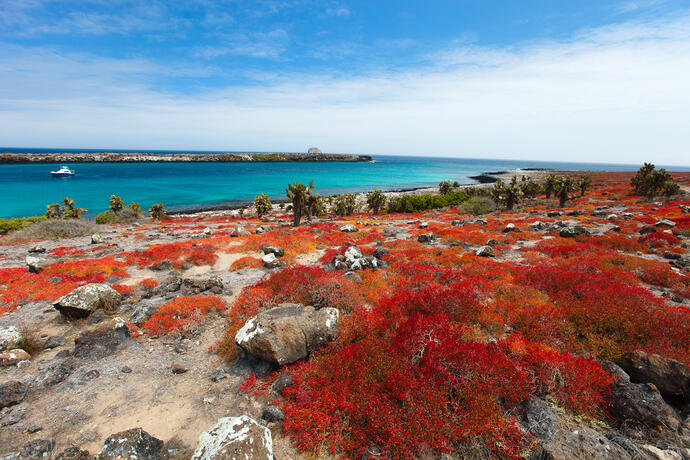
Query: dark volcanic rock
[[671, 377], [12, 393], [38, 448], [102, 340], [73, 453], [132, 444]]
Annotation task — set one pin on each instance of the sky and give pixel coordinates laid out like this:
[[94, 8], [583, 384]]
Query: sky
[[585, 80]]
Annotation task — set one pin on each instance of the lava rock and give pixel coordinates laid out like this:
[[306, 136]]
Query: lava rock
[[12, 393], [425, 238], [272, 414], [270, 249], [84, 300], [34, 264], [14, 416], [348, 228], [288, 333], [12, 357], [102, 340], [73, 453], [9, 336], [134, 444], [671, 377], [38, 448], [283, 381], [54, 341], [270, 261], [485, 251], [178, 368], [235, 437], [96, 238]]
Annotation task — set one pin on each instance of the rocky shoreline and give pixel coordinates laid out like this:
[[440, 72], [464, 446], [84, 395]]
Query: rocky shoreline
[[112, 157]]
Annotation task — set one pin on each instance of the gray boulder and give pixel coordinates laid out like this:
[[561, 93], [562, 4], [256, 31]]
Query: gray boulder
[[73, 453], [639, 404], [34, 264], [96, 238], [348, 228], [288, 333], [270, 261], [238, 231], [9, 337], [581, 444], [270, 249], [425, 238], [84, 300], [12, 393], [102, 340], [486, 251], [134, 444], [671, 377], [235, 438], [38, 448]]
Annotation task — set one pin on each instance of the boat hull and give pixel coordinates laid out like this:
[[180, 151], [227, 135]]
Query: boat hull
[[57, 174]]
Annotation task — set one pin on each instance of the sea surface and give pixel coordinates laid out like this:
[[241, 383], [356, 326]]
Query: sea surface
[[25, 190]]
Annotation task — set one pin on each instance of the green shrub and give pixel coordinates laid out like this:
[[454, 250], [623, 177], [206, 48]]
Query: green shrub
[[262, 204], [376, 201], [157, 211], [650, 182], [416, 203], [478, 205], [12, 225], [55, 228], [116, 204], [445, 187], [105, 217], [345, 204]]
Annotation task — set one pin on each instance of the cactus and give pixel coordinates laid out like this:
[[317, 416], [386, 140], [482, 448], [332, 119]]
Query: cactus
[[116, 204], [376, 201], [583, 183], [262, 205], [562, 188], [549, 185], [445, 187], [507, 195], [157, 211], [649, 182], [297, 193]]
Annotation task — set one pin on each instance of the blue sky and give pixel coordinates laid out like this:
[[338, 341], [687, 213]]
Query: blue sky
[[572, 80]]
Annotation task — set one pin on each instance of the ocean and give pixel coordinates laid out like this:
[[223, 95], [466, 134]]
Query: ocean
[[25, 190]]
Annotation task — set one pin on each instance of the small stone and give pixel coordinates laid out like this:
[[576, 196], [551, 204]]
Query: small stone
[[218, 375], [12, 357], [96, 238], [38, 448], [665, 223], [178, 368], [126, 370], [9, 336], [15, 415], [270, 261], [12, 393], [34, 264], [74, 453], [283, 381], [37, 250], [348, 228], [424, 225], [34, 428], [486, 251], [425, 238], [272, 414], [54, 342], [162, 265], [510, 228]]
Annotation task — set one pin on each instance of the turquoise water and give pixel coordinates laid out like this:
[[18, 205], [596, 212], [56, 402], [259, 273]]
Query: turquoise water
[[26, 189]]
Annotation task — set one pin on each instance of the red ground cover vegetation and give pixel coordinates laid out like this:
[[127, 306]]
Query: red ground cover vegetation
[[182, 315]]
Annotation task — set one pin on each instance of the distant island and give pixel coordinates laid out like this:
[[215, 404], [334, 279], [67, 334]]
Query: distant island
[[133, 157]]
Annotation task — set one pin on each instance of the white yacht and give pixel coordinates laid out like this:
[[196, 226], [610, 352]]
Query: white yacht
[[64, 171]]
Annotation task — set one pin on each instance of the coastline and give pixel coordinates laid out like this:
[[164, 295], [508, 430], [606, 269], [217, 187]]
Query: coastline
[[489, 177], [8, 158]]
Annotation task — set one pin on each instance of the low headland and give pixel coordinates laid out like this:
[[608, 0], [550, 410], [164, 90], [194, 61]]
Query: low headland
[[132, 157], [545, 315]]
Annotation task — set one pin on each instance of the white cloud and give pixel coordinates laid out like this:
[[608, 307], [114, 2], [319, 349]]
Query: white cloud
[[613, 94]]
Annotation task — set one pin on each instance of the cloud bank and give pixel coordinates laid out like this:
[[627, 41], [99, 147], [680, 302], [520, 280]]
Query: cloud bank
[[612, 94]]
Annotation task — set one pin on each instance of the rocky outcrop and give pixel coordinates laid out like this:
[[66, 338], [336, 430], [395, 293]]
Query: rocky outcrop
[[134, 444], [288, 333], [34, 264], [102, 340], [240, 438], [238, 231], [73, 453], [581, 444], [355, 259], [11, 393], [639, 404], [37, 449], [270, 261], [348, 228], [485, 251], [11, 357], [671, 377], [270, 249], [84, 300], [9, 336]]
